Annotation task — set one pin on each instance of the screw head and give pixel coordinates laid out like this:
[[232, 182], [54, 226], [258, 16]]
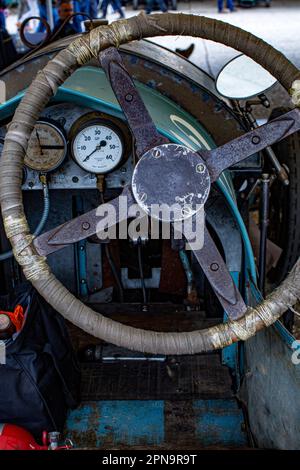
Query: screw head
[[214, 266], [85, 226], [156, 153], [129, 97], [200, 168], [255, 139]]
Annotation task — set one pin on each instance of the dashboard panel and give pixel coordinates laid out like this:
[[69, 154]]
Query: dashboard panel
[[64, 127]]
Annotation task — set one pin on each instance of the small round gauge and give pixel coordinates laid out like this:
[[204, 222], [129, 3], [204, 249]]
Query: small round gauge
[[98, 147], [47, 147]]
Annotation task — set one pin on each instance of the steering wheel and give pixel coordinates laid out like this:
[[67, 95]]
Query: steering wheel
[[187, 176]]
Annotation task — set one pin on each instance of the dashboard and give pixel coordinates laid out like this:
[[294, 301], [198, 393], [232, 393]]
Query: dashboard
[[72, 145]]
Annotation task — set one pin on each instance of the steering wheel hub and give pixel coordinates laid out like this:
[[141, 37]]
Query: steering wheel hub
[[171, 182]]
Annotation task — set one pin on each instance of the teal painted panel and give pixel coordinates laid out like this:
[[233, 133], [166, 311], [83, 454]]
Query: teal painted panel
[[127, 423], [167, 115], [219, 422], [119, 422]]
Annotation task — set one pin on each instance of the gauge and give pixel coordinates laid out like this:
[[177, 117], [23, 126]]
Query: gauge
[[47, 147], [98, 147]]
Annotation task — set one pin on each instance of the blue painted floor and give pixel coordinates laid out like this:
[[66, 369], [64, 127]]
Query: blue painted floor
[[156, 423]]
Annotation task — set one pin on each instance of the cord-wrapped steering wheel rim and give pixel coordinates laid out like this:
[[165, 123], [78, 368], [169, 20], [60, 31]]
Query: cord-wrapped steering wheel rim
[[36, 268]]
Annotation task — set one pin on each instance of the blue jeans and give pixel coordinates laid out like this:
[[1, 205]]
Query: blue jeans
[[116, 4], [230, 5], [161, 4], [93, 11]]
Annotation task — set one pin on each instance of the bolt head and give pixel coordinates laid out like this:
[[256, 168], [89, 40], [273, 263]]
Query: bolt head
[[214, 266], [255, 139], [129, 97], [200, 168], [85, 225]]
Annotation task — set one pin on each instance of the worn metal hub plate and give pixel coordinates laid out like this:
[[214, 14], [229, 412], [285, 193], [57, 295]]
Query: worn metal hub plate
[[173, 177]]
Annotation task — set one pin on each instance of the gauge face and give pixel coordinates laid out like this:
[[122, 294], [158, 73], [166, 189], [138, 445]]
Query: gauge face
[[98, 148], [47, 147]]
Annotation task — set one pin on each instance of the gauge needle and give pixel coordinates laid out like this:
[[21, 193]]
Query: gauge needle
[[52, 147], [98, 147], [39, 142]]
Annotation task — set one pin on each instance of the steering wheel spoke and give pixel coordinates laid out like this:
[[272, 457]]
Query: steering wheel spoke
[[237, 150], [139, 120], [217, 273], [86, 225]]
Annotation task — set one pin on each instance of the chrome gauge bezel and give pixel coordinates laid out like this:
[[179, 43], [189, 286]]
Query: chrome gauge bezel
[[54, 125], [109, 123]]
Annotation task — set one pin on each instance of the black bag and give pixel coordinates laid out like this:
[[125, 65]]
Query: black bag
[[40, 379]]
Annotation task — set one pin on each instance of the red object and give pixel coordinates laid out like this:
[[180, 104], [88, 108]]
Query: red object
[[15, 438], [16, 317]]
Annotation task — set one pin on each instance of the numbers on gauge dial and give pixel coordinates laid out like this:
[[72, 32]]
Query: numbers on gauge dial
[[47, 147], [98, 148]]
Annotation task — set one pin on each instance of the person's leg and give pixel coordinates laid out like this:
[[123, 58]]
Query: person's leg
[[149, 6], [230, 5], [162, 6], [93, 11], [118, 7], [220, 5], [104, 8], [55, 15]]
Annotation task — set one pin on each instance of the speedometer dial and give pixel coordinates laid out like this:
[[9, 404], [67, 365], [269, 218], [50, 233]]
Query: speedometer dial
[[98, 147], [47, 147]]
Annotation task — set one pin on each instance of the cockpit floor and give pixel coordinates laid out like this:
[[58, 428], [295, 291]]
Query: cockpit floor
[[117, 377]]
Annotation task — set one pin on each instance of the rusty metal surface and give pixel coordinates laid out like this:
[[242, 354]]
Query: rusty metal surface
[[219, 277], [136, 113], [83, 226], [254, 141], [172, 176], [158, 424]]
